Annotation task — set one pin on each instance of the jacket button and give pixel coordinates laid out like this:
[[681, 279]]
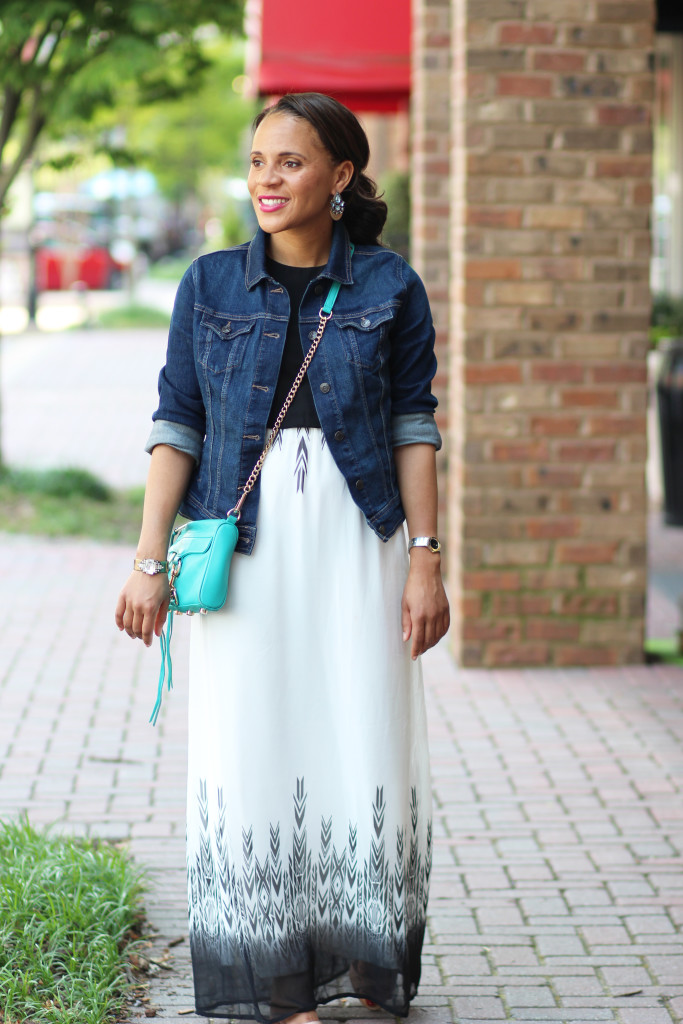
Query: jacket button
[[339, 435], [364, 322], [312, 335], [359, 485], [318, 289], [325, 387], [382, 530]]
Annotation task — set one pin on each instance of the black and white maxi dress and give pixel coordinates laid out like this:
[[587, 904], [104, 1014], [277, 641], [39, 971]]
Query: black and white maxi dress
[[309, 808]]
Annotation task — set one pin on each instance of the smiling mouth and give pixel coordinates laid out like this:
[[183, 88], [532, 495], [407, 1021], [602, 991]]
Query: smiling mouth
[[272, 202]]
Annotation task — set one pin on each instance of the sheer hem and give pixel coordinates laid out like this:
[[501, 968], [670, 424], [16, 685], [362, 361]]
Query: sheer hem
[[389, 989]]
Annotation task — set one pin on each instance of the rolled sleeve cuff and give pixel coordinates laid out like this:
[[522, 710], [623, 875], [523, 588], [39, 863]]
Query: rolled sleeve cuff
[[177, 435], [415, 428]]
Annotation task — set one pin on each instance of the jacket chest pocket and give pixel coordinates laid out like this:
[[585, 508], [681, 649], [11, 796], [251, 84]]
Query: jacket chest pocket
[[365, 337], [224, 340]]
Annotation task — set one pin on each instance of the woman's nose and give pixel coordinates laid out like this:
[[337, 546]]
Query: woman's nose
[[269, 174]]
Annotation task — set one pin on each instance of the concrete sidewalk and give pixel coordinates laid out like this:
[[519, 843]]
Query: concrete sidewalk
[[557, 891]]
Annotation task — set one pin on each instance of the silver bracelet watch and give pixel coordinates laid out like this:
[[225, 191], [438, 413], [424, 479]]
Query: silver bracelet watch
[[433, 543], [150, 566]]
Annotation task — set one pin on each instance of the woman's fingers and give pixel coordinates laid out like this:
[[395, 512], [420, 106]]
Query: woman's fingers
[[161, 618], [406, 623], [120, 611], [427, 625], [141, 607], [418, 639]]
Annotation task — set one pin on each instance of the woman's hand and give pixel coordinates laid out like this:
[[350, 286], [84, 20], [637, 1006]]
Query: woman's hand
[[424, 608], [425, 615], [142, 606], [143, 603]]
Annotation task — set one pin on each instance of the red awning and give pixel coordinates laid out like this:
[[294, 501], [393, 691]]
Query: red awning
[[358, 52]]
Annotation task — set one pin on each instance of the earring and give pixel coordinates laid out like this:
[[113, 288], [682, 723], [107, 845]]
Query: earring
[[336, 206]]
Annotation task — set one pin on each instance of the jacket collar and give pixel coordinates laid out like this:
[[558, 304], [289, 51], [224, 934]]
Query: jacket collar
[[338, 266]]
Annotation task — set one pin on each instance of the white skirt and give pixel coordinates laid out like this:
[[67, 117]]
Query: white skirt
[[309, 806]]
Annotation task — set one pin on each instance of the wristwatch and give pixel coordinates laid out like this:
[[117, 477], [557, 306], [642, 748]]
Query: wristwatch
[[433, 543], [150, 566]]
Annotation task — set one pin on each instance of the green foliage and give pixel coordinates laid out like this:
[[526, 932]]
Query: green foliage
[[63, 60], [170, 268], [125, 317], [72, 502], [668, 651], [396, 234], [667, 311], [181, 139], [234, 230], [68, 911], [56, 483], [666, 320]]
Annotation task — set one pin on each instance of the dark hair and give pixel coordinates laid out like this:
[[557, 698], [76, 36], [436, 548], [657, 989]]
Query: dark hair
[[343, 137]]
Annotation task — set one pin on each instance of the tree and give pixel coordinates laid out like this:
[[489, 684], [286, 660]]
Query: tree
[[184, 140], [63, 60]]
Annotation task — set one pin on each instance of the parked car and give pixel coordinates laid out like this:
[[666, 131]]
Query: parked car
[[59, 267], [71, 239]]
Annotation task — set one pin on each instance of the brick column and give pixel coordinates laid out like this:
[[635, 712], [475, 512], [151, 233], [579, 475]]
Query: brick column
[[430, 182], [550, 245]]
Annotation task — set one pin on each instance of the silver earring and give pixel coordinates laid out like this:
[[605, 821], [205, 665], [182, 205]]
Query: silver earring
[[336, 206]]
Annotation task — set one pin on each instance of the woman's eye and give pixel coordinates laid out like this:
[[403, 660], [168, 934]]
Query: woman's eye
[[291, 163]]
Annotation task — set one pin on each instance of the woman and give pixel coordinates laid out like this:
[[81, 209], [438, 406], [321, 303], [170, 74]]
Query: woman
[[309, 832]]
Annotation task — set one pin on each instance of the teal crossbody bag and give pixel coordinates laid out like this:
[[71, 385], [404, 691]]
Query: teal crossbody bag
[[200, 551]]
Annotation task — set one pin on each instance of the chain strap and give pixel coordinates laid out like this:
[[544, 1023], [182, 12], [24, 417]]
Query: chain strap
[[249, 486]]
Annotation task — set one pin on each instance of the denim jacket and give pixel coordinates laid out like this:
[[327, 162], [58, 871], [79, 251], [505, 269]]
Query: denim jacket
[[370, 377]]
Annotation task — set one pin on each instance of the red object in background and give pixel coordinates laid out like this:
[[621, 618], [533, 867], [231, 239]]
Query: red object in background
[[358, 52], [58, 269]]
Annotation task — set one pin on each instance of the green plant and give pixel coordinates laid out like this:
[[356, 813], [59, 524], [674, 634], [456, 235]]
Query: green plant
[[56, 483], [70, 502], [667, 310], [234, 227], [396, 234], [170, 268], [131, 316], [666, 320], [70, 913]]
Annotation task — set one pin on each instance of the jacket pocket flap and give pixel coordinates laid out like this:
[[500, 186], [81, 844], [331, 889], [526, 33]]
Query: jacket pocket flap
[[225, 326], [365, 321]]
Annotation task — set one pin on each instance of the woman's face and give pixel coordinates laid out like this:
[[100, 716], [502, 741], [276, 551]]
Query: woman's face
[[292, 177]]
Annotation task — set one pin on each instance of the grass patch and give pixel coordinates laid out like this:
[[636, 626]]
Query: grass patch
[[68, 502], [666, 651], [170, 268], [70, 913], [131, 316]]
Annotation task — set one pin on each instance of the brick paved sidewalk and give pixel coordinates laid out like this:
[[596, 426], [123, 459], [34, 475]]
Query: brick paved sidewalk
[[557, 892]]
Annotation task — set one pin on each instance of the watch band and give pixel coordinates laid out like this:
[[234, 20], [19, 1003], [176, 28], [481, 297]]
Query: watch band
[[433, 543], [150, 566]]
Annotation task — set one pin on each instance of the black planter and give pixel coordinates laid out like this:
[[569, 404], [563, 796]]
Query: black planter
[[670, 405]]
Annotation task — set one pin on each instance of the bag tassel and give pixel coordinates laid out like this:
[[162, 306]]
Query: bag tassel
[[166, 667]]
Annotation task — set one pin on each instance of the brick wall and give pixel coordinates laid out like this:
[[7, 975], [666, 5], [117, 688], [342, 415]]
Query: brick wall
[[550, 196], [430, 183]]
